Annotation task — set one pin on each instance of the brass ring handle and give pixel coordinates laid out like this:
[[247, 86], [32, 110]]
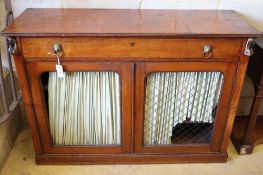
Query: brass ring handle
[[207, 50], [58, 50]]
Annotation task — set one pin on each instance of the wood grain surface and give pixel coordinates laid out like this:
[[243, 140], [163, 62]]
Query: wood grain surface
[[132, 47], [124, 22]]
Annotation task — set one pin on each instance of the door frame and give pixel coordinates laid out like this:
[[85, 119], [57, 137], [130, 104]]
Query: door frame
[[125, 70], [143, 69]]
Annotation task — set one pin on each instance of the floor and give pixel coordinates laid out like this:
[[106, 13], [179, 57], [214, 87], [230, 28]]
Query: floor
[[21, 162]]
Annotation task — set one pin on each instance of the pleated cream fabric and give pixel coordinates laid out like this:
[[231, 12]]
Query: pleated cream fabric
[[84, 108], [171, 97]]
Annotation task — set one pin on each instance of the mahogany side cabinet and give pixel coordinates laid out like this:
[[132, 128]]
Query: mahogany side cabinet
[[130, 86]]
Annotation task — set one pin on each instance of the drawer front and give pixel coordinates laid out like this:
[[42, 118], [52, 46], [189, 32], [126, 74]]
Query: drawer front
[[133, 48]]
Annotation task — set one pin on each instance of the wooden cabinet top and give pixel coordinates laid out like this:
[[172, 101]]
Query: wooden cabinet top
[[123, 22]]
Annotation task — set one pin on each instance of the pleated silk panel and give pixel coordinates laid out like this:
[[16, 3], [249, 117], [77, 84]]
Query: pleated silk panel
[[178, 97], [84, 108]]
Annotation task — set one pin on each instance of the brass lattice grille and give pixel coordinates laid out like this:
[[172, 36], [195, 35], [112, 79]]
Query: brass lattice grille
[[180, 107]]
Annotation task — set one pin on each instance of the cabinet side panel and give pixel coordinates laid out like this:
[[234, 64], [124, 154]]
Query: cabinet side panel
[[238, 83], [27, 99]]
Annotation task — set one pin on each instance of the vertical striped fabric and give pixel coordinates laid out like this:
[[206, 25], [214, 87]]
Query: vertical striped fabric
[[84, 108], [171, 97]]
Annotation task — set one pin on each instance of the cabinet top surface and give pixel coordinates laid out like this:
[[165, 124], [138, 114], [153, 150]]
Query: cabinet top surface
[[124, 22]]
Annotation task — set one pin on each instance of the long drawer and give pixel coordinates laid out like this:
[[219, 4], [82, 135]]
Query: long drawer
[[135, 48]]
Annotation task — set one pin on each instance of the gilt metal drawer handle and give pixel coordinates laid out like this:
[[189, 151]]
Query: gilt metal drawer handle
[[207, 50], [58, 50]]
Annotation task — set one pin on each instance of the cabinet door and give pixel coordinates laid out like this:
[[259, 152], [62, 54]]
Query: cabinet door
[[181, 107], [86, 111]]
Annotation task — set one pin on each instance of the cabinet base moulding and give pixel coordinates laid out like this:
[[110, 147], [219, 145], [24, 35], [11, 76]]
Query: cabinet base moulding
[[131, 159]]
